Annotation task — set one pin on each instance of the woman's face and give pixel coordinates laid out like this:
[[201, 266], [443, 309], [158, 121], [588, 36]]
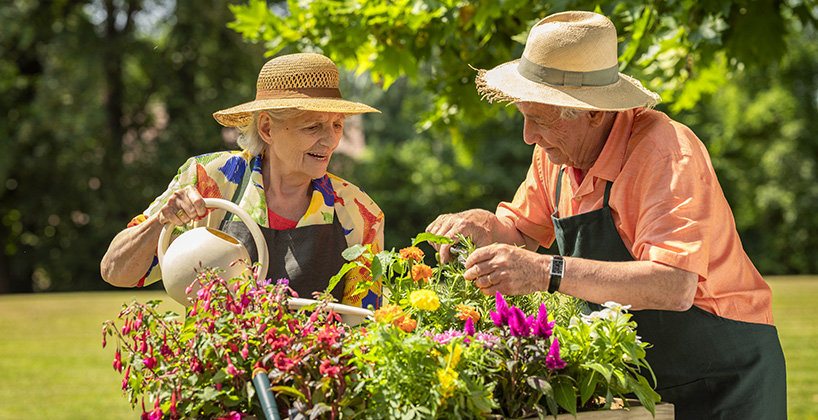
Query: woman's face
[[301, 146], [576, 143]]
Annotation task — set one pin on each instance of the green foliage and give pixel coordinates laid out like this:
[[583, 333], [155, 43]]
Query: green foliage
[[760, 131], [665, 44], [101, 102]]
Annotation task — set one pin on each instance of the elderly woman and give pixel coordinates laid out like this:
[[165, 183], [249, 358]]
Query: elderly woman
[[631, 198], [308, 217]]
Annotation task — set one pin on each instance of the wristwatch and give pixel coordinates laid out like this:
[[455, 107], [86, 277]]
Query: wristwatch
[[557, 268]]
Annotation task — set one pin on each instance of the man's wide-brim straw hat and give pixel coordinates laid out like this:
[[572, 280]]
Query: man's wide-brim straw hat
[[301, 81], [570, 60]]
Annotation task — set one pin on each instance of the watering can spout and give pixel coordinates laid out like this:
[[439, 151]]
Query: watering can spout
[[206, 247]]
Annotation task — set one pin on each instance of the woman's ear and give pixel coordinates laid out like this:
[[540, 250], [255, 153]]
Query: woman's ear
[[265, 127]]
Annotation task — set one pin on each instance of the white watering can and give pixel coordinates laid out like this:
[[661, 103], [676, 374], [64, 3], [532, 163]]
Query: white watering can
[[205, 247]]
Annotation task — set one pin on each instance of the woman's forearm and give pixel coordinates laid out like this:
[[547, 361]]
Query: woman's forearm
[[131, 253]]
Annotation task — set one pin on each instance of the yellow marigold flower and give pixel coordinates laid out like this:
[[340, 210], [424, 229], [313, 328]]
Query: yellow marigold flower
[[421, 272], [412, 253], [454, 355], [447, 378], [467, 312], [424, 299]]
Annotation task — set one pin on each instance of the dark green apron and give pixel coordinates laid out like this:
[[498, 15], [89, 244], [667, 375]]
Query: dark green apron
[[307, 256], [709, 367]]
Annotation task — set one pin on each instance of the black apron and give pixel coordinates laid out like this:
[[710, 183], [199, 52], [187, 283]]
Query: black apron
[[307, 256], [709, 367]]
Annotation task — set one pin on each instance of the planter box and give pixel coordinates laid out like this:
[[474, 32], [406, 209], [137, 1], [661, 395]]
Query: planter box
[[664, 411]]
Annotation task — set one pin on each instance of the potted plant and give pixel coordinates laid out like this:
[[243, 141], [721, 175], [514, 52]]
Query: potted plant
[[436, 348]]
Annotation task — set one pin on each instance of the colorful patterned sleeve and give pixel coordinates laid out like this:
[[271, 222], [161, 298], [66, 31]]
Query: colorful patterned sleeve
[[214, 175], [363, 223]]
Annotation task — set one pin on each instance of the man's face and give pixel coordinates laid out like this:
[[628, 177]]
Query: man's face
[[575, 143]]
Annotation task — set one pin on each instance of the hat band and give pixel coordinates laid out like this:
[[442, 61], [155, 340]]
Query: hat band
[[298, 93], [541, 74]]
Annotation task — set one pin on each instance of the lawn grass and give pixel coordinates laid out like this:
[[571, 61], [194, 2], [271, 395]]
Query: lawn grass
[[53, 366]]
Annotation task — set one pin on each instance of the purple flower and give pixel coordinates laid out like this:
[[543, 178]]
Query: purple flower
[[468, 329], [552, 360], [541, 327], [520, 325], [500, 317]]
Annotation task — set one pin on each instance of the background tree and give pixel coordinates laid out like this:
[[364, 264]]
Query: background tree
[[685, 50], [102, 100]]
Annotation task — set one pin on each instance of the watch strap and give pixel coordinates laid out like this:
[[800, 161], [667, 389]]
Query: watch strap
[[556, 271]]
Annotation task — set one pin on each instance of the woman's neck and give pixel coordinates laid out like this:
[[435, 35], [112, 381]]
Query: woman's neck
[[289, 197]]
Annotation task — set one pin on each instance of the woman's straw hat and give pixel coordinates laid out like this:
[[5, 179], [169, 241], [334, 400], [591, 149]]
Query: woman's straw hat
[[570, 60], [302, 81]]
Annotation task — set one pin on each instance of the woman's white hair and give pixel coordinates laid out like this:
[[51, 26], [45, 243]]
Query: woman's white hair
[[250, 141]]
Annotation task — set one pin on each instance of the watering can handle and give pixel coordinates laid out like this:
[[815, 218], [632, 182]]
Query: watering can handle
[[218, 203]]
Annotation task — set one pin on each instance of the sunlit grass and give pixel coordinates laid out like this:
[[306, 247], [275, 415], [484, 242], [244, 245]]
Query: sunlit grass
[[53, 366]]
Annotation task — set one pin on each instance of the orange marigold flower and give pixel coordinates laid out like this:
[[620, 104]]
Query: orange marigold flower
[[412, 253], [389, 313], [408, 324], [421, 272], [467, 312]]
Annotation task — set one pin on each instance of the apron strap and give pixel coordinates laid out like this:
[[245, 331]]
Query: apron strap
[[557, 193]]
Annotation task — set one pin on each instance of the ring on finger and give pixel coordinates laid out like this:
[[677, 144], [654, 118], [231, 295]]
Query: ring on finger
[[180, 213], [488, 278]]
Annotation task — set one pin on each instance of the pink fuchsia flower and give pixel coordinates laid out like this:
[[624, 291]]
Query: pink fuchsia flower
[[328, 336], [282, 362], [500, 317], [245, 351], [520, 325], [118, 361], [541, 327], [328, 369], [149, 362], [552, 360]]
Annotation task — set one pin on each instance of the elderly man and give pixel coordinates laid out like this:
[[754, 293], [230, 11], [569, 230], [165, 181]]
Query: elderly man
[[639, 217]]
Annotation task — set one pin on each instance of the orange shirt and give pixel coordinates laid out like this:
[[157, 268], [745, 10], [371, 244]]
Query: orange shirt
[[667, 205]]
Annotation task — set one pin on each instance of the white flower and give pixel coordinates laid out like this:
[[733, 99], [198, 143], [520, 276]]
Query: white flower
[[616, 307]]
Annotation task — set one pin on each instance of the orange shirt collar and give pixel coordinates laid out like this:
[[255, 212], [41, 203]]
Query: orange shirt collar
[[612, 158]]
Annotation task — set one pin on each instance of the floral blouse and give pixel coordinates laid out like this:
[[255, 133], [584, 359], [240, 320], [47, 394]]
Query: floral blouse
[[218, 175]]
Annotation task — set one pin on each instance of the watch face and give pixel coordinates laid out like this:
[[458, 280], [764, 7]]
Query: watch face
[[557, 265]]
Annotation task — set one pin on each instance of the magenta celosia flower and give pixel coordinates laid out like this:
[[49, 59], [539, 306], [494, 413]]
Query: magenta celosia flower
[[500, 317], [541, 327], [552, 360], [519, 325], [468, 329]]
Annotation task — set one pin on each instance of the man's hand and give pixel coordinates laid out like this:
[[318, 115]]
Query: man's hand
[[508, 269], [476, 224]]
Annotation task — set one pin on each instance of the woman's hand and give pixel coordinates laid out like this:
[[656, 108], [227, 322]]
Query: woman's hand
[[508, 269], [183, 206]]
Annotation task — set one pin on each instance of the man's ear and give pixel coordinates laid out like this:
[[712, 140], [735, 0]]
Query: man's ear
[[596, 117]]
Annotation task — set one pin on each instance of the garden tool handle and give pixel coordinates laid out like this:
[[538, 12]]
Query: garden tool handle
[[265, 395]]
